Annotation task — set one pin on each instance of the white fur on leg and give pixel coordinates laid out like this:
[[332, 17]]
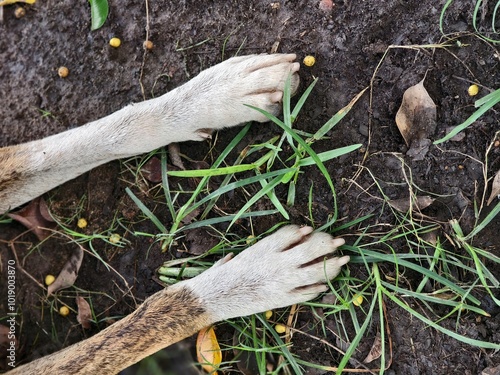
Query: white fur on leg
[[275, 272], [214, 99]]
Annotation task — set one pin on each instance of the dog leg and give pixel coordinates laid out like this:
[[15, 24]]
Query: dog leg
[[214, 99], [288, 267]]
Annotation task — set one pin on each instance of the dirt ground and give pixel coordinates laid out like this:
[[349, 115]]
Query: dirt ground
[[348, 41]]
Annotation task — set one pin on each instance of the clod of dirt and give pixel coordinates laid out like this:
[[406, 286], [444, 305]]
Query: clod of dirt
[[36, 217], [403, 204], [84, 314], [495, 188], [416, 120], [200, 240], [69, 272]]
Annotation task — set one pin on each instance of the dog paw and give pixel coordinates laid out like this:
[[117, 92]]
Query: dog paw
[[288, 267], [219, 96]]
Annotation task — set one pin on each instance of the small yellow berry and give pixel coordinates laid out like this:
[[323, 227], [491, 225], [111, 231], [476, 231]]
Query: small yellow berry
[[63, 72], [114, 238], [148, 45], [49, 279], [64, 311], [82, 223], [357, 300], [473, 90], [268, 314], [115, 42], [250, 239], [19, 12], [280, 328], [309, 60]]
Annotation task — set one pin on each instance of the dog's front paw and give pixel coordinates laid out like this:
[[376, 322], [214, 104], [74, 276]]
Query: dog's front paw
[[288, 267], [219, 97]]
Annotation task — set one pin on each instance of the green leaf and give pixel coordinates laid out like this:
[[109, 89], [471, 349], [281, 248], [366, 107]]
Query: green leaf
[[98, 13]]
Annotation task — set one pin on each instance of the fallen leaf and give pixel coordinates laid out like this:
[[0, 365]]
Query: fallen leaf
[[403, 204], [208, 350], [495, 188], [174, 151], [416, 119], [35, 216], [152, 170], [375, 351], [84, 314], [69, 272]]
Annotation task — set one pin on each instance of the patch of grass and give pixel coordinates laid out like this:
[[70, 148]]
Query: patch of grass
[[479, 14], [483, 105], [270, 169], [452, 273]]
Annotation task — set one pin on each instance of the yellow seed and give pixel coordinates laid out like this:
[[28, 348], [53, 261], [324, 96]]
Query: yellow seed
[[148, 45], [250, 239], [63, 72], [82, 223], [309, 60], [114, 238], [268, 313], [19, 12], [49, 279], [280, 328], [115, 42], [64, 311], [357, 300], [473, 90]]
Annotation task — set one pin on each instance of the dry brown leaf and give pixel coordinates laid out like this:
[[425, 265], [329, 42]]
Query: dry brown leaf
[[35, 216], [69, 272], [208, 350], [495, 188], [84, 313], [403, 204], [416, 119], [375, 351], [174, 151], [152, 170]]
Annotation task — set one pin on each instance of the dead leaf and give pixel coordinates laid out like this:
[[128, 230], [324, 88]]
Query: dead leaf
[[152, 170], [35, 216], [69, 272], [84, 313], [174, 151], [416, 119], [495, 188], [403, 204], [208, 350], [375, 351]]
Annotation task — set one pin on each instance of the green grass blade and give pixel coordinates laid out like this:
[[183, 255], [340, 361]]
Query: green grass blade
[[338, 116], [303, 99], [485, 105], [146, 211]]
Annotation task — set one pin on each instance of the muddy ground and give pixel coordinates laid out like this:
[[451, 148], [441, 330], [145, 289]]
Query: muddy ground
[[348, 41]]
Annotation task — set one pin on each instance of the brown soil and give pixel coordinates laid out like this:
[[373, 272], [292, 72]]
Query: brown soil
[[348, 42]]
